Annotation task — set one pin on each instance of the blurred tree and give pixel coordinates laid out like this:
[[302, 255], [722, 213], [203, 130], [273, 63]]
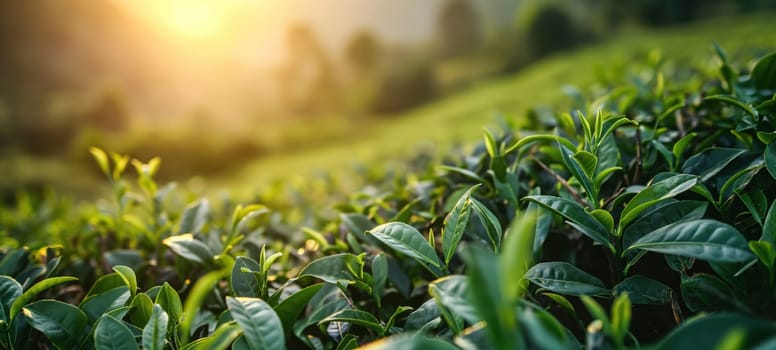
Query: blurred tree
[[306, 79], [408, 85], [458, 28], [362, 51], [548, 27]]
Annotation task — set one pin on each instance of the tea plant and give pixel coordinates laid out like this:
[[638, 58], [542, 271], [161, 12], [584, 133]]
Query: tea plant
[[643, 218]]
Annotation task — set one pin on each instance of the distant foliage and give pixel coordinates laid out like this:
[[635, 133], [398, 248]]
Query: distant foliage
[[458, 28]]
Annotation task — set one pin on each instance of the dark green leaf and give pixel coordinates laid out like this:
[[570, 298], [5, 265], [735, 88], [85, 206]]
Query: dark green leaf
[[335, 268], [140, 309], [194, 217], [379, 275], [489, 221], [155, 331], [410, 342], [190, 248], [764, 73], [419, 318], [33, 291], [711, 161], [643, 290], [63, 324], [113, 334], [703, 239], [770, 158], [96, 305], [406, 240], [769, 225], [10, 290], [564, 278], [574, 213], [704, 292], [356, 317], [655, 193], [452, 292], [289, 309], [261, 325], [663, 215], [244, 284], [169, 300], [706, 332]]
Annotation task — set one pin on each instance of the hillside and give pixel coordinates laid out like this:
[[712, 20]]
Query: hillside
[[462, 116]]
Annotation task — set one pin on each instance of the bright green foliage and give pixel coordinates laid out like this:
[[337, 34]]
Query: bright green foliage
[[647, 201]]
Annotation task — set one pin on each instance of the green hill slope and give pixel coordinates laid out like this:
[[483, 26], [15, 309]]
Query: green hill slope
[[461, 117]]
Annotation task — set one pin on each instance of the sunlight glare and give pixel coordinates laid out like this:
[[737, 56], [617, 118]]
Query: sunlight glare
[[195, 19]]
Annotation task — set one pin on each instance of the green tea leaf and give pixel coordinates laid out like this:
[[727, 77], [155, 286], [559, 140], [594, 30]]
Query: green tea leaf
[[356, 317], [452, 292], [194, 217], [155, 331], [661, 215], [455, 224], [489, 221], [410, 342], [380, 276], [621, 318], [113, 334], [764, 73], [10, 290], [261, 325], [170, 302], [128, 275], [769, 225], [189, 248], [204, 286], [423, 315], [223, 338], [654, 194], [703, 239], [96, 305], [140, 309], [643, 290], [574, 213], [489, 296], [707, 331], [289, 309], [33, 291], [564, 278], [765, 252], [244, 284], [406, 240], [711, 161], [336, 268], [102, 160], [63, 324], [770, 158]]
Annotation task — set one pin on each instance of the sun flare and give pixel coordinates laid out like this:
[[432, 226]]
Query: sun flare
[[195, 18]]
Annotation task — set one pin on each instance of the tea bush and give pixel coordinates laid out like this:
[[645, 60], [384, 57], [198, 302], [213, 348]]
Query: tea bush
[[643, 218]]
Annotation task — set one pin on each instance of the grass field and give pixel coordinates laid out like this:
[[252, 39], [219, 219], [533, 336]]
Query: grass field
[[460, 118]]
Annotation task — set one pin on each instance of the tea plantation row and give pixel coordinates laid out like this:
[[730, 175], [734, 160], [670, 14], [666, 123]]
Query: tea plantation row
[[642, 218]]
